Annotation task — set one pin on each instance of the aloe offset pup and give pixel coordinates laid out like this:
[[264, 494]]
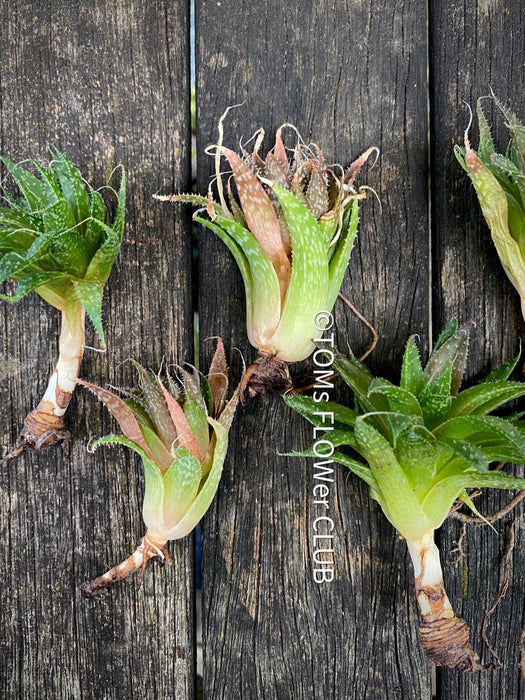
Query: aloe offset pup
[[290, 224], [421, 444], [181, 434], [54, 240], [499, 181]]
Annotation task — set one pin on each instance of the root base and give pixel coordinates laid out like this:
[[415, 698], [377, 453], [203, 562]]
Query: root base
[[267, 376]]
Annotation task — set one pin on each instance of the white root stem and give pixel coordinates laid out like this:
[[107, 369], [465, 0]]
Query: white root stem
[[151, 546], [44, 426], [443, 635]]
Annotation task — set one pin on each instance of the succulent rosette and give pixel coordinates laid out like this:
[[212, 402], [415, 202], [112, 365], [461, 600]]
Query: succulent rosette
[[499, 181], [54, 239], [180, 430], [418, 446], [290, 221]]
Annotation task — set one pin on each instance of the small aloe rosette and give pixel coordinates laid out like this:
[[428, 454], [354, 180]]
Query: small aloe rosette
[[180, 430], [421, 444], [499, 181], [290, 221], [54, 239]]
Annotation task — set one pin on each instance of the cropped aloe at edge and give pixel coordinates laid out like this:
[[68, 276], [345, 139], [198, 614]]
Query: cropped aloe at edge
[[290, 222], [499, 181], [54, 240], [419, 446]]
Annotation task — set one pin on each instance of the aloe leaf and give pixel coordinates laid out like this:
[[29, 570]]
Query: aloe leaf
[[399, 399], [503, 371], [242, 263], [122, 413], [161, 455], [435, 408], [72, 186], [322, 413], [259, 213], [37, 193], [356, 375], [496, 437], [263, 294], [93, 231], [446, 334], [486, 144], [59, 217], [468, 452], [516, 129], [449, 355], [356, 467], [226, 417], [102, 261], [198, 422], [515, 177], [14, 264], [156, 406], [412, 378], [208, 489], [442, 495], [36, 281], [181, 484], [306, 293], [341, 256], [485, 397], [89, 293], [217, 379], [185, 436], [153, 503], [416, 453], [396, 497]]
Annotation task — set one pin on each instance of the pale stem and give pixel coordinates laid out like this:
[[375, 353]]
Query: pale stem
[[151, 546], [443, 635], [44, 425], [71, 348]]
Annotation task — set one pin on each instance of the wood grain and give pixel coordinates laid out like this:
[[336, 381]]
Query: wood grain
[[108, 84], [476, 46], [348, 75]]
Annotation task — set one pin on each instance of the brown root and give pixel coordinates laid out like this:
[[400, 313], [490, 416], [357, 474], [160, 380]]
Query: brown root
[[41, 429], [150, 547], [267, 376], [446, 643]]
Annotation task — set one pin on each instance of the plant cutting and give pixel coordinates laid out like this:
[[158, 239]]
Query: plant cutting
[[499, 181], [54, 240], [180, 432], [290, 221], [419, 445]]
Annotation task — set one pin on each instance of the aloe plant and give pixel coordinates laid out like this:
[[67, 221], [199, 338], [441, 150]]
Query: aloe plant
[[54, 240], [421, 444], [499, 181], [291, 227], [181, 434]]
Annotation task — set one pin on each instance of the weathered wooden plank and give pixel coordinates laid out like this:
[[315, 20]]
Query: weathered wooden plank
[[107, 83], [475, 46], [348, 76]]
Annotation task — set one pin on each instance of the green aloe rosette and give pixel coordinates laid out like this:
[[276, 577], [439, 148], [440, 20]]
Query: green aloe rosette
[[180, 431], [55, 240], [290, 221], [419, 445]]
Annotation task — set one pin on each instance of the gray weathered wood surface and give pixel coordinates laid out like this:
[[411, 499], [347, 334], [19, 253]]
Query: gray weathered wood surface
[[108, 83]]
